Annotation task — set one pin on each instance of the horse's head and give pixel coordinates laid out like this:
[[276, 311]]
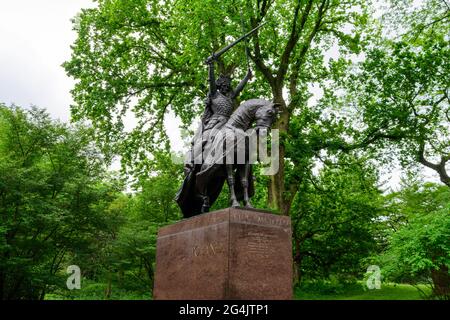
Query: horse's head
[[266, 115], [259, 111]]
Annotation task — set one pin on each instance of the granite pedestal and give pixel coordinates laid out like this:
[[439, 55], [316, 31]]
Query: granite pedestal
[[234, 253]]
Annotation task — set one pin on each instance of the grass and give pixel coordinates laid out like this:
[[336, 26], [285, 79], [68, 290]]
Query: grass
[[96, 291], [319, 290], [388, 291]]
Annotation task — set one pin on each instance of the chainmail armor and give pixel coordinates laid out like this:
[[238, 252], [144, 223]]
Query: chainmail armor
[[222, 105]]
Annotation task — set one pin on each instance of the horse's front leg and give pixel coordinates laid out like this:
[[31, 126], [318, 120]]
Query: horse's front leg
[[230, 180], [244, 181]]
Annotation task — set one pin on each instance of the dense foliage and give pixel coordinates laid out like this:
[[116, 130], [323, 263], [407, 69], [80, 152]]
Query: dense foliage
[[419, 237], [60, 207], [54, 194], [356, 95]]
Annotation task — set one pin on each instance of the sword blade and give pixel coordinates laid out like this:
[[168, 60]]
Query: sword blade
[[223, 50]]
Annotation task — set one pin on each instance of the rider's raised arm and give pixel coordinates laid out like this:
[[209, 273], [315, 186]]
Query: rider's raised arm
[[242, 84]]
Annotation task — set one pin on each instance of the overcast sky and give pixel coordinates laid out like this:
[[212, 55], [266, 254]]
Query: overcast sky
[[35, 40]]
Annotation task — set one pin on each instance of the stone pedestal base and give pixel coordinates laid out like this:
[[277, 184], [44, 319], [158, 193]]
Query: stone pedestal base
[[232, 253]]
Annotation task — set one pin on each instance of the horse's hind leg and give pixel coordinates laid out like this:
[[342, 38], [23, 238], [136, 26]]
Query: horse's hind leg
[[205, 206], [230, 180], [244, 181]]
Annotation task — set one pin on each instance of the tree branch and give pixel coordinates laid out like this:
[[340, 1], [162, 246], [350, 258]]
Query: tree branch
[[293, 38], [301, 57], [256, 56], [439, 167]]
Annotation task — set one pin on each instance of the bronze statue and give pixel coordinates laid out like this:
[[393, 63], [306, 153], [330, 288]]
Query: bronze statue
[[232, 141], [203, 183], [221, 137], [219, 103]]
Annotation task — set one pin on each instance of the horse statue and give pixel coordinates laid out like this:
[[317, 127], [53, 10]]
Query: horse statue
[[226, 156]]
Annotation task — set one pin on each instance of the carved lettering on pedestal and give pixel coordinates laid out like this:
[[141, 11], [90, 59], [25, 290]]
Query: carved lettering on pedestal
[[262, 219], [208, 249], [258, 244]]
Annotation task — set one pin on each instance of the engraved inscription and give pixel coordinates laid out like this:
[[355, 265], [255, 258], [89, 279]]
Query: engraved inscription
[[258, 244], [262, 219], [209, 249]]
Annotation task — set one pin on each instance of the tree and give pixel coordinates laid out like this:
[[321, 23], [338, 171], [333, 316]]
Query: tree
[[50, 184], [147, 57], [399, 96], [419, 251], [151, 208], [334, 221], [408, 106], [120, 263], [400, 93]]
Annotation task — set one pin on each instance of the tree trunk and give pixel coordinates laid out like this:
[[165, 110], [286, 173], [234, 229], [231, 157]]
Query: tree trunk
[[297, 272], [14, 293], [121, 277], [441, 282], [297, 259], [42, 294], [2, 285], [108, 289], [276, 190]]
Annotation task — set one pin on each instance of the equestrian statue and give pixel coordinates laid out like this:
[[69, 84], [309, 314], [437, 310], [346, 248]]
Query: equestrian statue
[[220, 150]]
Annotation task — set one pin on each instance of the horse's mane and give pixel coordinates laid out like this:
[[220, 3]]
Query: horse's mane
[[252, 105], [245, 113]]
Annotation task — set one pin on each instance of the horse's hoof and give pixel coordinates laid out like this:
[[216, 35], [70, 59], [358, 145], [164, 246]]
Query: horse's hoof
[[235, 204], [249, 205]]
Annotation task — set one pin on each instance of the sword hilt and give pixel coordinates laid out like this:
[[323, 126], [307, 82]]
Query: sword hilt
[[211, 58]]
